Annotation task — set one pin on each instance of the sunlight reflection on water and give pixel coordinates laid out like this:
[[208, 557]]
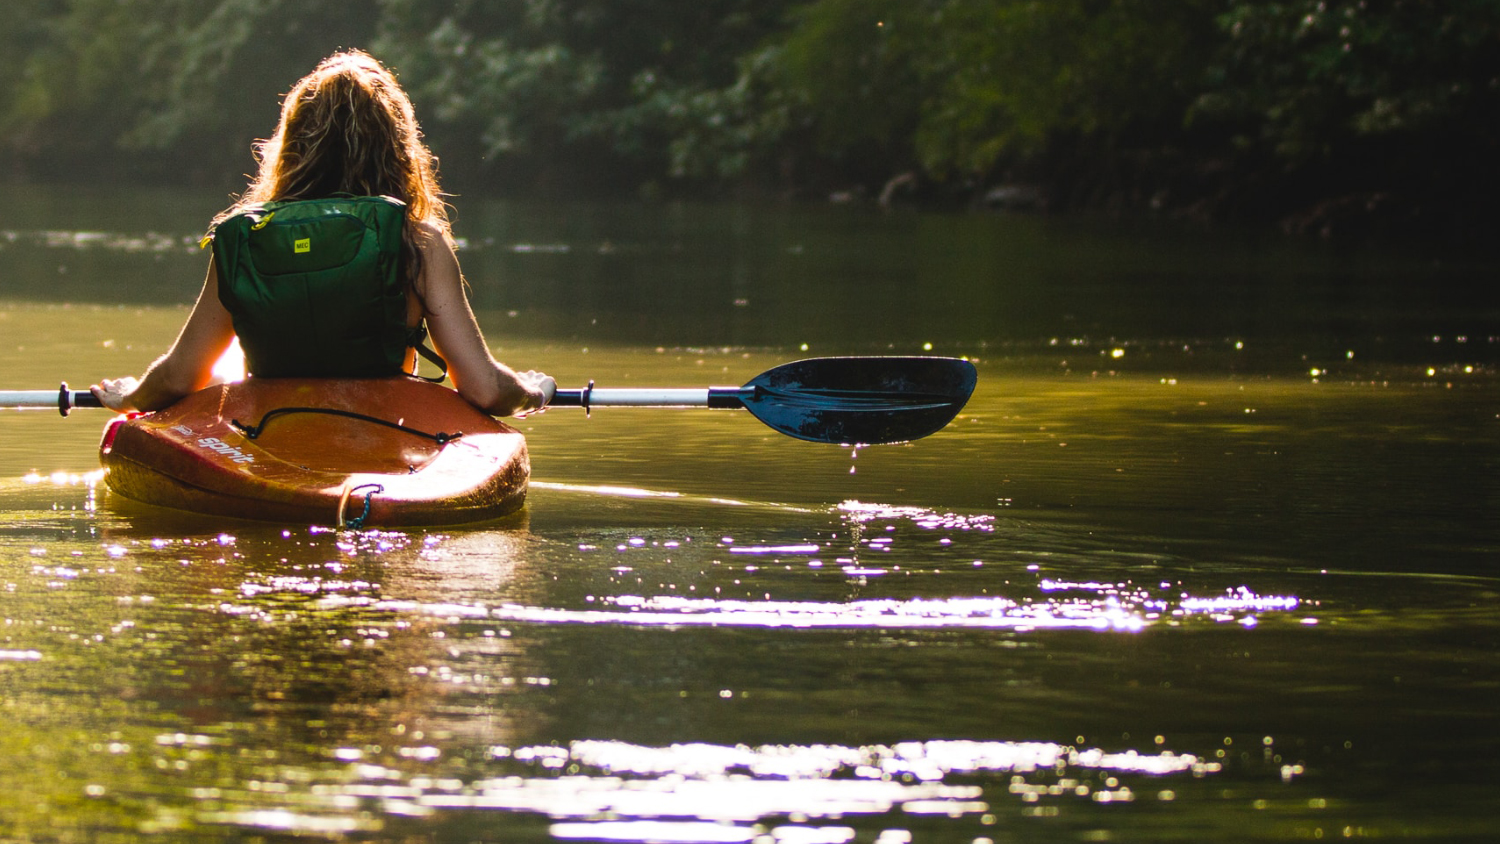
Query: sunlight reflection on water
[[614, 790], [1113, 609], [1035, 601]]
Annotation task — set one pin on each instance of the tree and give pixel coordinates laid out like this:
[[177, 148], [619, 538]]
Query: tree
[[959, 88], [1214, 107], [1393, 102], [114, 85], [570, 92]]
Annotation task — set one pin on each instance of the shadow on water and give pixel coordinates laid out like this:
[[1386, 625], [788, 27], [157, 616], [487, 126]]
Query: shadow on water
[[844, 280]]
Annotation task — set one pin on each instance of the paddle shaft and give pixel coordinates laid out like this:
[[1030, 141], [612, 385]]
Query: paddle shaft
[[718, 397], [62, 399], [591, 397]]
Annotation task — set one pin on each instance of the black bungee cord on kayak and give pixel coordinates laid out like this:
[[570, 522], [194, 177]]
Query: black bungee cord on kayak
[[253, 431]]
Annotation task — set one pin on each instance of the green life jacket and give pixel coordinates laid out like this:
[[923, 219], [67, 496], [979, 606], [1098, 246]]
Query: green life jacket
[[315, 287]]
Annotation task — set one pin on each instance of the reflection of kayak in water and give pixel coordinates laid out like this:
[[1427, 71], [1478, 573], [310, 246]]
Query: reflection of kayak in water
[[381, 452]]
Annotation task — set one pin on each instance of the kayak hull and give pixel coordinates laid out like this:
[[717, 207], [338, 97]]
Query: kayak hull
[[358, 452]]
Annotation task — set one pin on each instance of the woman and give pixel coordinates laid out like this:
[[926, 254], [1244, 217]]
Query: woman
[[348, 128]]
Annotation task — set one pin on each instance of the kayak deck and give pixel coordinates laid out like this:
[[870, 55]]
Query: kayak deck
[[363, 452]]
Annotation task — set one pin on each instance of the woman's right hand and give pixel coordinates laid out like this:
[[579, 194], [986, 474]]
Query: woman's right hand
[[541, 387], [115, 393]]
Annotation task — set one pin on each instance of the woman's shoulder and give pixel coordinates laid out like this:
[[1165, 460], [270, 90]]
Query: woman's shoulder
[[433, 232], [439, 260]]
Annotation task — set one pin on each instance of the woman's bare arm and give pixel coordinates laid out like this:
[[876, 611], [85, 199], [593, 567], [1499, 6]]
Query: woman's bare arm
[[186, 367], [483, 381]]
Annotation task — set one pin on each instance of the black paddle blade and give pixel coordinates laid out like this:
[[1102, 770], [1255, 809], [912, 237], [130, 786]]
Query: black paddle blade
[[861, 400]]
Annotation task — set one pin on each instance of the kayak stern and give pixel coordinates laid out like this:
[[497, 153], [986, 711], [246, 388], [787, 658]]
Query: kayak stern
[[370, 452]]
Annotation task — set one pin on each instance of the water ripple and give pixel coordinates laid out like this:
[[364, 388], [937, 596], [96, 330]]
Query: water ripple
[[107, 241], [1110, 608], [616, 790]]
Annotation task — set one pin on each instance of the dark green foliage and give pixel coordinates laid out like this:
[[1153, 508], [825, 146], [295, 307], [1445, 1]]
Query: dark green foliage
[[579, 93], [961, 88], [1302, 77], [1212, 107], [160, 88], [1386, 102]]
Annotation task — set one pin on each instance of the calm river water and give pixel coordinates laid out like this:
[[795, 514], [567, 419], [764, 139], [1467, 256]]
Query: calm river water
[[1210, 555]]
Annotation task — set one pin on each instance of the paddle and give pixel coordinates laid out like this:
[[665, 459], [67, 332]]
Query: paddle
[[864, 400]]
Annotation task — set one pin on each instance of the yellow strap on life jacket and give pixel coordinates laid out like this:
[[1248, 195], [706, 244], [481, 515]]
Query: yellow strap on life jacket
[[209, 238]]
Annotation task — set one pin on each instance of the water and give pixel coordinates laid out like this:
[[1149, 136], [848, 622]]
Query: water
[[1159, 580]]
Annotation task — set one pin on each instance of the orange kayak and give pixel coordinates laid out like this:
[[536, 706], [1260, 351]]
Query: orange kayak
[[377, 452]]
